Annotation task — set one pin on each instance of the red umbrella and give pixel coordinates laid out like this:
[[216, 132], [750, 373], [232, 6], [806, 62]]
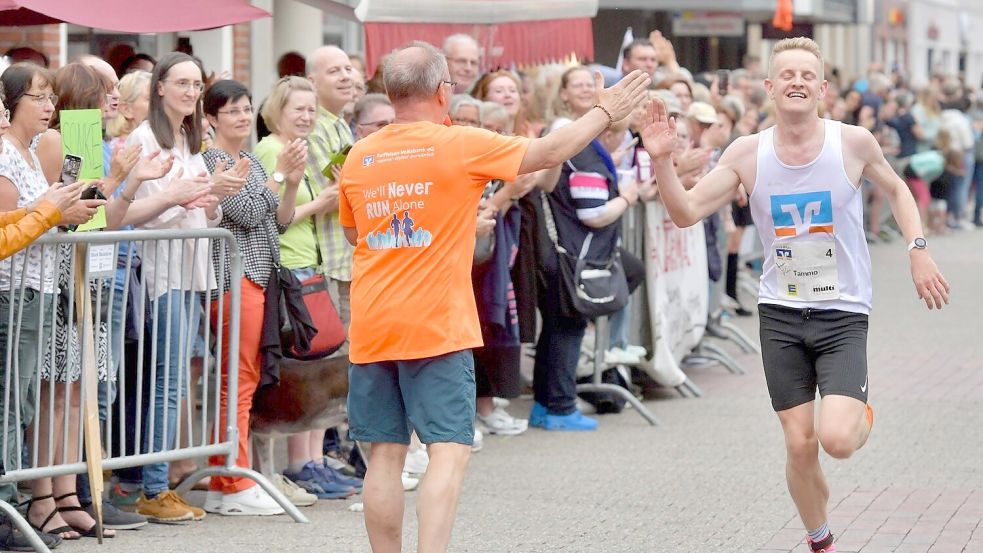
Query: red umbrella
[[130, 16]]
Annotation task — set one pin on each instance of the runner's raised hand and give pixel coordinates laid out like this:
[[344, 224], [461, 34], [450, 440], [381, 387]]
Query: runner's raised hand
[[659, 130]]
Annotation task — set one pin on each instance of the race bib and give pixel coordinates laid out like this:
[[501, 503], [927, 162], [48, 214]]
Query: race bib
[[807, 270]]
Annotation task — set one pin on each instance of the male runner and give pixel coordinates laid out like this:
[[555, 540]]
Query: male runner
[[804, 177]]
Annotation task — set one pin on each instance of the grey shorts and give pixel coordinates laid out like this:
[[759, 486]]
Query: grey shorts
[[434, 396], [806, 349]]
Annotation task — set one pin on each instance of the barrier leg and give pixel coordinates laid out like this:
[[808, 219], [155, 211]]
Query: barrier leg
[[689, 388], [729, 362], [260, 480], [600, 345], [15, 519], [737, 335]]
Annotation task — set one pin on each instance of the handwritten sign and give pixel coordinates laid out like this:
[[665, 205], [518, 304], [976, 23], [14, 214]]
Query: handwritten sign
[[81, 135]]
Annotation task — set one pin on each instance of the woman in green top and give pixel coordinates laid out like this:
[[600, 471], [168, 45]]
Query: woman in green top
[[290, 112]]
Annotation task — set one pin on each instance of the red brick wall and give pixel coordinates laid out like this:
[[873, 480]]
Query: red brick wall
[[44, 38], [241, 36]]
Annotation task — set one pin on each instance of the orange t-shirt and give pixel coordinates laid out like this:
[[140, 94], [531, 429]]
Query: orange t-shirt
[[412, 191]]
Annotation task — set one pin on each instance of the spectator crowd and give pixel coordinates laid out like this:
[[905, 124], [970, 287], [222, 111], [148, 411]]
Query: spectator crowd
[[179, 153]]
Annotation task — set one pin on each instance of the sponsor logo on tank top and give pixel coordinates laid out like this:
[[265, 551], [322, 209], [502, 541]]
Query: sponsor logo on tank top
[[797, 214]]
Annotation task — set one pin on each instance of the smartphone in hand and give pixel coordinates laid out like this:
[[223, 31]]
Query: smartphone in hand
[[90, 193], [70, 169]]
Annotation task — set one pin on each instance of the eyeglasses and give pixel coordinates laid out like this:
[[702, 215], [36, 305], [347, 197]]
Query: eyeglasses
[[464, 61], [375, 124], [185, 84], [40, 99], [236, 112], [452, 83]]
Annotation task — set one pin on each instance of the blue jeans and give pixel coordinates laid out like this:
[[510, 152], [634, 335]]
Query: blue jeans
[[557, 352], [618, 333], [32, 325], [176, 323]]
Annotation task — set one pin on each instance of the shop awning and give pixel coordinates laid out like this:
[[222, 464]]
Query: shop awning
[[130, 16], [510, 32], [504, 44]]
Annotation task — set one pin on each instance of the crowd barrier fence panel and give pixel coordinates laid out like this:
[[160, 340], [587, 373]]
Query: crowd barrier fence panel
[[38, 325]]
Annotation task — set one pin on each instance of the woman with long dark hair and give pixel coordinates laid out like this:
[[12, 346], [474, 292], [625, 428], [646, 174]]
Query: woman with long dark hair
[[175, 272]]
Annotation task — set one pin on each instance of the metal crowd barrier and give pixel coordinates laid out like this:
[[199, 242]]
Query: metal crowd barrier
[[35, 426]]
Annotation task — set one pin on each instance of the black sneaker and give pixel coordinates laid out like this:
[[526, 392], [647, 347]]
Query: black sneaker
[[11, 539], [115, 519]]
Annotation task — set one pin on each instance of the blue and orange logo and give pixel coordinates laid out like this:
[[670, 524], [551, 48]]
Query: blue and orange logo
[[795, 214]]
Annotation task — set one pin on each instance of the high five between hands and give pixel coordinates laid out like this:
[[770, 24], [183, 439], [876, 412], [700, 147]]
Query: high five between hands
[[659, 138]]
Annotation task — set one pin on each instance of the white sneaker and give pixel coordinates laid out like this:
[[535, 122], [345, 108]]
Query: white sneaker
[[618, 356], [251, 501], [416, 461], [297, 495], [637, 351], [409, 483], [213, 502], [479, 441], [501, 423], [500, 402]]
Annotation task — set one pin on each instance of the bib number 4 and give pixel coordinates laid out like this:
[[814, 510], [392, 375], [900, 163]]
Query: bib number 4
[[807, 270]]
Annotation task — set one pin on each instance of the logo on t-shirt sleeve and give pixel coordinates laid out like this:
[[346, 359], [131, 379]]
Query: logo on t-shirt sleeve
[[796, 214]]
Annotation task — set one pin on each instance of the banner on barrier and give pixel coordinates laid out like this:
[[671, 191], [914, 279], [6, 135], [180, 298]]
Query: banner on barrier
[[678, 291]]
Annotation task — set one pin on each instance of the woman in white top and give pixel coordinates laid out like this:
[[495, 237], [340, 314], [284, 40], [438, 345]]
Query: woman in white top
[[175, 272]]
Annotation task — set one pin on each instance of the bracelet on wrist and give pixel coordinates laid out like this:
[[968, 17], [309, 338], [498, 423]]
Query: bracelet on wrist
[[606, 112], [126, 198]]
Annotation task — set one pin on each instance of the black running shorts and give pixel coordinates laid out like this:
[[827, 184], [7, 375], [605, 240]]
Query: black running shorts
[[803, 349]]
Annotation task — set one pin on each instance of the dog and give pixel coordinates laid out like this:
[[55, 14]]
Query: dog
[[310, 394]]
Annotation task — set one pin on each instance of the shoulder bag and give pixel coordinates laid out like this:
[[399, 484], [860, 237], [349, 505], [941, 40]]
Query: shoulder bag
[[317, 298], [588, 289]]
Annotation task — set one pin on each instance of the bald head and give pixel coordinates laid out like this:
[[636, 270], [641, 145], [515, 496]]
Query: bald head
[[108, 74], [330, 71], [414, 73]]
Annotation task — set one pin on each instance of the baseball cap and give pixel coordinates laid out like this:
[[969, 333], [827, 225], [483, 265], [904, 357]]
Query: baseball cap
[[702, 112]]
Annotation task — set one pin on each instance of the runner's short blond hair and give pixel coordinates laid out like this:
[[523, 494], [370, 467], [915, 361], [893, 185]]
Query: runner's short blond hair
[[797, 43]]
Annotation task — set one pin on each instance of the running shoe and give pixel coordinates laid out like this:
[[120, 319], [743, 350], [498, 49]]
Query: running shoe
[[824, 545]]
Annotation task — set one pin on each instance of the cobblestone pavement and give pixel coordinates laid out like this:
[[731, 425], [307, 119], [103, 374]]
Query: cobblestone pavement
[[711, 477]]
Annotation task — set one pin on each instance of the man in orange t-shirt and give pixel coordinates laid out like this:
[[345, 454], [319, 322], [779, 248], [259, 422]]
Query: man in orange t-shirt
[[408, 203]]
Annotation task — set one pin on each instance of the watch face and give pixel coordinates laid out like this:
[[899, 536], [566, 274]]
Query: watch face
[[920, 243]]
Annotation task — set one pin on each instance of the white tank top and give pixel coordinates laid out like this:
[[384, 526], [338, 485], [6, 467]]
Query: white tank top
[[810, 220]]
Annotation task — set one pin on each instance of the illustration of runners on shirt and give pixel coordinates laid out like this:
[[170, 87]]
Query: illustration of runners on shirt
[[407, 228], [804, 179]]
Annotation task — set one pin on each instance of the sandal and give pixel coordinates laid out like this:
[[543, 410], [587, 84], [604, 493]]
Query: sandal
[[89, 532], [54, 531]]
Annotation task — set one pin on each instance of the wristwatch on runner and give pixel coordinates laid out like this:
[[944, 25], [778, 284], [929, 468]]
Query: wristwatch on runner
[[278, 177], [918, 243]]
